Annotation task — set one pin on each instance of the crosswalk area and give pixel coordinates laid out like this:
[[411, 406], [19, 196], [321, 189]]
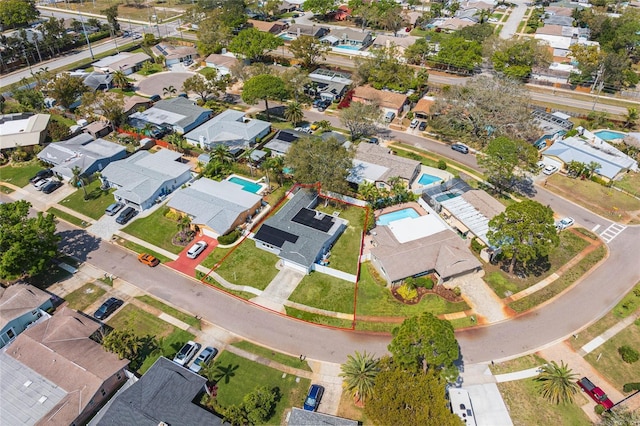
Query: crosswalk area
[[612, 231]]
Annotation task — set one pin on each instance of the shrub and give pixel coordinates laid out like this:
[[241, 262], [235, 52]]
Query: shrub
[[457, 291], [599, 180], [628, 387], [425, 282], [628, 354], [599, 409], [410, 283], [18, 155], [442, 165], [476, 245], [409, 115], [229, 238], [407, 293]]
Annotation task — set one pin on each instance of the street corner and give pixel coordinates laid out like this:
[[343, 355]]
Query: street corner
[[188, 266]]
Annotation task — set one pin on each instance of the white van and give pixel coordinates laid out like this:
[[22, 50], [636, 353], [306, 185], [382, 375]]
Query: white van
[[389, 116]]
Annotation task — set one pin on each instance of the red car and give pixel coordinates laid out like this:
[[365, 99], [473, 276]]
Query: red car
[[595, 393]]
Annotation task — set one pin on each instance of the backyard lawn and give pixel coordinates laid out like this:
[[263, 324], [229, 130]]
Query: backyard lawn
[[323, 291], [156, 229], [345, 253], [20, 173], [504, 285], [143, 323], [243, 376], [95, 204], [83, 297], [247, 265]]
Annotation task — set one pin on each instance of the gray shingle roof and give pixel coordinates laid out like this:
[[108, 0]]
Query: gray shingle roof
[[395, 166], [300, 417], [165, 393], [230, 128], [18, 299], [176, 112]]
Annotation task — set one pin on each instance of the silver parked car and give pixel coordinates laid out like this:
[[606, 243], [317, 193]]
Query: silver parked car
[[186, 353], [203, 359]]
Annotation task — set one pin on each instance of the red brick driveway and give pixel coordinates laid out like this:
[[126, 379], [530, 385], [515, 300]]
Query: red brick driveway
[[188, 266]]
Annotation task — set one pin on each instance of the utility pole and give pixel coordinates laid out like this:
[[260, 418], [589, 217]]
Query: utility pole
[[599, 76], [84, 30]]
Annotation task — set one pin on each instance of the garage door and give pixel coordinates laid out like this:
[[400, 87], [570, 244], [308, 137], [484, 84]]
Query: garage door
[[209, 233], [294, 266]]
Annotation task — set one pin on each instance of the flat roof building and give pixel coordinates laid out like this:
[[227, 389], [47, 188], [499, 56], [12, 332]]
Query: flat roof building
[[23, 129]]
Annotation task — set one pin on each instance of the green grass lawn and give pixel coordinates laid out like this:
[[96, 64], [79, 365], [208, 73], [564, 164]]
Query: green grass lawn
[[186, 318], [610, 363], [317, 318], [247, 265], [284, 359], [97, 200], [129, 92], [527, 407], [6, 189], [19, 173], [345, 252], [67, 217], [375, 299], [246, 375], [154, 68], [209, 280], [630, 182], [323, 291], [143, 323], [62, 120], [504, 285], [83, 297], [517, 364], [156, 229]]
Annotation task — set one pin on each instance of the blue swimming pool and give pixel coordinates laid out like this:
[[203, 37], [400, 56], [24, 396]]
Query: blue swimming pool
[[446, 196], [608, 135], [387, 218], [348, 47], [285, 37], [247, 185], [427, 179]]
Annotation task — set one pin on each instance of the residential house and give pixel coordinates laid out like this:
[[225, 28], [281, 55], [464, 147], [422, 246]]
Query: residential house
[[328, 84], [215, 208], [98, 80], [223, 63], [423, 107], [282, 141], [179, 114], [298, 234], [230, 128], [470, 15], [21, 305], [275, 27], [126, 62], [342, 13], [175, 54], [144, 177], [612, 161], [81, 151], [166, 394], [560, 38], [59, 352], [467, 210], [453, 24], [348, 37], [98, 129], [376, 164], [300, 417], [386, 41], [552, 122], [135, 103], [386, 100], [297, 30], [23, 129]]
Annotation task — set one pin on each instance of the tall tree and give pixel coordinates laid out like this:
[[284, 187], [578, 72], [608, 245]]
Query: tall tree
[[557, 383], [264, 87], [383, 69], [123, 342], [319, 7], [27, 244], [359, 374], [524, 232], [120, 80], [112, 17], [507, 160], [406, 397], [17, 12], [361, 119], [169, 90], [253, 44], [458, 53], [631, 117], [78, 180], [620, 416], [516, 58], [308, 50], [260, 404], [424, 341], [65, 89], [294, 113], [324, 161]]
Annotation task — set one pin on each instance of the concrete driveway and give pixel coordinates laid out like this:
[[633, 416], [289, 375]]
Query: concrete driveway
[[154, 84]]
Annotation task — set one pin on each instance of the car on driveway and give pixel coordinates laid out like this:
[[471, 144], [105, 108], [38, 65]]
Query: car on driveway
[[550, 169], [313, 398], [107, 308], [564, 223], [423, 126], [148, 260], [42, 174], [186, 353], [203, 359], [196, 249], [460, 148], [414, 123], [126, 215], [51, 186], [113, 209], [41, 184], [595, 393]]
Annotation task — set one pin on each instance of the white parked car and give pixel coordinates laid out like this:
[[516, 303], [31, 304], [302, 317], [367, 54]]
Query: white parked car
[[564, 223], [196, 249], [186, 353], [550, 169], [414, 123]]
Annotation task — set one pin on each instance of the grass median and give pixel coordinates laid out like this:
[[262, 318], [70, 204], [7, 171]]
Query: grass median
[[279, 357]]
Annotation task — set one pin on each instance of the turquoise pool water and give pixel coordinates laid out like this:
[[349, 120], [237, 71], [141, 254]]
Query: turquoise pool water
[[387, 218], [348, 47], [247, 185], [285, 37], [427, 179], [447, 196], [608, 135]]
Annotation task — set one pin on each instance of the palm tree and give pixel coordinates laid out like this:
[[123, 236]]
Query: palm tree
[[293, 112], [78, 180], [221, 153], [369, 192], [324, 125], [359, 374], [120, 80], [631, 117], [275, 165], [169, 91], [146, 130], [557, 382]]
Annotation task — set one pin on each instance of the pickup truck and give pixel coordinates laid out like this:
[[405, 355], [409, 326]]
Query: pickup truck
[[595, 393]]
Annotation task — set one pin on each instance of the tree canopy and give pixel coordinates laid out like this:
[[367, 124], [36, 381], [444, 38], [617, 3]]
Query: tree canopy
[[423, 342], [361, 119], [27, 244], [324, 161], [66, 89], [253, 44], [506, 160], [17, 12], [524, 232], [383, 69], [308, 50], [319, 7], [264, 87], [516, 58]]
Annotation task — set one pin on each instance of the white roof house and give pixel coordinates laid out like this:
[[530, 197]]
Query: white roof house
[[126, 62], [144, 177], [231, 128], [23, 129], [215, 207], [181, 114]]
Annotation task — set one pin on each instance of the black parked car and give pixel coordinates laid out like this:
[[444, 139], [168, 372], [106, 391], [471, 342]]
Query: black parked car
[[108, 308], [423, 126], [51, 186], [126, 215], [42, 174]]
